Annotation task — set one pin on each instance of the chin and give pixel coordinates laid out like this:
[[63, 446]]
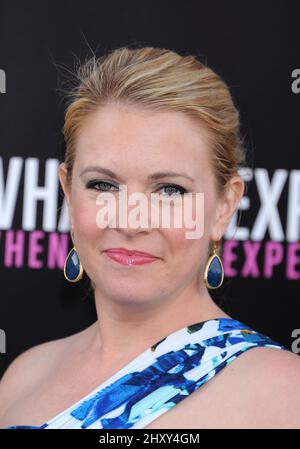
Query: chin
[[129, 293]]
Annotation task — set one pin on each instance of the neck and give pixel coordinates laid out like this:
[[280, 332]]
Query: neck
[[133, 327]]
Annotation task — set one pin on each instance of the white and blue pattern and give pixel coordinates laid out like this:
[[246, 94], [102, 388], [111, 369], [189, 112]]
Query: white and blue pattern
[[160, 377]]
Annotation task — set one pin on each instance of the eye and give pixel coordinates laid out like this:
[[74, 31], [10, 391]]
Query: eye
[[105, 185], [179, 189]]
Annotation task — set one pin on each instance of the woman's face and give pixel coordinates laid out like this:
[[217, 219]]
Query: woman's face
[[135, 144]]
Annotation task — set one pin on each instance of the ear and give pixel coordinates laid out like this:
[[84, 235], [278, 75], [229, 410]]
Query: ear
[[62, 174], [227, 205]]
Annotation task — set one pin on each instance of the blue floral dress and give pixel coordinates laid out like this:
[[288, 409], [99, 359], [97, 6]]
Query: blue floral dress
[[161, 377]]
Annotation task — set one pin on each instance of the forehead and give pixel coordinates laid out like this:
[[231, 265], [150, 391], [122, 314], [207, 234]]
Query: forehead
[[128, 138]]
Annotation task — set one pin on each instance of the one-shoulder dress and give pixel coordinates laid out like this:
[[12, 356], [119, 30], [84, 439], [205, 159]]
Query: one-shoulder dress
[[160, 377]]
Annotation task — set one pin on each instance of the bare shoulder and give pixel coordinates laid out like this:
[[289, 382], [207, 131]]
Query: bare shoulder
[[259, 389], [30, 367], [265, 382]]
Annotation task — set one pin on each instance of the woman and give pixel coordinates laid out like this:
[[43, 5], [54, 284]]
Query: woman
[[157, 123]]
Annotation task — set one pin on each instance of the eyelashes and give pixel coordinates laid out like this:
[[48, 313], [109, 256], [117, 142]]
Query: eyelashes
[[108, 185], [92, 184], [179, 189]]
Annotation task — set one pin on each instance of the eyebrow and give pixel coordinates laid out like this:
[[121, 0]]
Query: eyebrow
[[155, 176]]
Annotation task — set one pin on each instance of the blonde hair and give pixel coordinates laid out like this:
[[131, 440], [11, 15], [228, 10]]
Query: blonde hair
[[158, 79]]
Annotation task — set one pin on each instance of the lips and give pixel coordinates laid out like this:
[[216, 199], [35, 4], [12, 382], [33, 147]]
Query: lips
[[127, 257], [129, 252]]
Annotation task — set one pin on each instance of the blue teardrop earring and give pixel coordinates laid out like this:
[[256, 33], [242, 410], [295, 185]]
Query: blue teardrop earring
[[214, 271], [73, 270]]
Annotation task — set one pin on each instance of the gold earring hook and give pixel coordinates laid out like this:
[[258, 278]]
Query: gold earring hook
[[72, 236]]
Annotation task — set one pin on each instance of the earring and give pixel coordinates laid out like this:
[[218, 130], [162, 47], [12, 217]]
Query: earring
[[73, 270], [214, 271]]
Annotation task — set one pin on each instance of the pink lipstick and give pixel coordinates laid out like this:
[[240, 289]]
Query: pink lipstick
[[130, 257]]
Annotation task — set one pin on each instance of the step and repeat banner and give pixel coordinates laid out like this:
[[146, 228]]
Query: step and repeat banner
[[253, 46]]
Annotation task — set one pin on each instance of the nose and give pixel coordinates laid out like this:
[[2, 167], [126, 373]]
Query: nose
[[135, 223], [131, 232], [134, 213]]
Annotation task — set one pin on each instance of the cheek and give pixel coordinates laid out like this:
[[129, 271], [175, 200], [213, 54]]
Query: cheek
[[210, 206], [191, 253], [84, 212], [183, 250]]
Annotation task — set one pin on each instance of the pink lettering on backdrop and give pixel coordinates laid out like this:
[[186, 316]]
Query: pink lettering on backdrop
[[292, 260], [250, 267], [58, 249], [14, 249], [34, 249], [273, 257]]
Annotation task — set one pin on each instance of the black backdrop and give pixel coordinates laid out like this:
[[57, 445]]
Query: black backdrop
[[253, 45]]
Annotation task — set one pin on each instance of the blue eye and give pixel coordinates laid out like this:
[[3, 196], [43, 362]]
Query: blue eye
[[179, 189], [92, 184]]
